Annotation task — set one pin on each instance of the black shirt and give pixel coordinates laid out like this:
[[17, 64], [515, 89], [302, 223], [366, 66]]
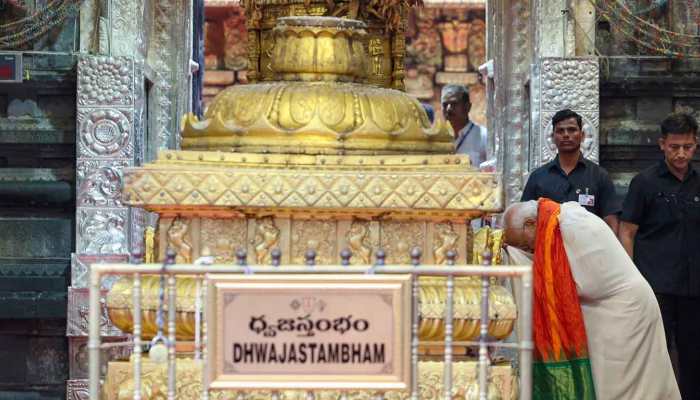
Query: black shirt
[[551, 181], [667, 244]]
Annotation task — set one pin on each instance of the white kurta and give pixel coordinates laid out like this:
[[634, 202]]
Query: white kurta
[[626, 339]]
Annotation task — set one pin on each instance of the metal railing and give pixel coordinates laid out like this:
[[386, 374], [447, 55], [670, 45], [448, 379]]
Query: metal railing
[[202, 270]]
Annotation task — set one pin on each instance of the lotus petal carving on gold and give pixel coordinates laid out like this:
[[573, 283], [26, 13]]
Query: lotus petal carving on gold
[[316, 118], [319, 49]]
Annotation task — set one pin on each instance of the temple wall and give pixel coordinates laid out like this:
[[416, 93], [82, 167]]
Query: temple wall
[[639, 87], [37, 201]]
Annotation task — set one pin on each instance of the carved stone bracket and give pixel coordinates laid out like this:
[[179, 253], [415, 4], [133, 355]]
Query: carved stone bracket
[[565, 83]]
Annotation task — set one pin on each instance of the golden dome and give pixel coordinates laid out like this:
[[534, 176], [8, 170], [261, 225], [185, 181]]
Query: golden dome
[[317, 106]]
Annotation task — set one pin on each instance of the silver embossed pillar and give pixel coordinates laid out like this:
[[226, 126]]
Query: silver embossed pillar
[[105, 146], [108, 136], [565, 83]]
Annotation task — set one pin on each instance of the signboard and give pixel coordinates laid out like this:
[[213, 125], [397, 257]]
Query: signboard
[[10, 66], [309, 332]]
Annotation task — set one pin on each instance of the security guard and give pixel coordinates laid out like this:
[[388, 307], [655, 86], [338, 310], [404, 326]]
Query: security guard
[[660, 230], [571, 177]]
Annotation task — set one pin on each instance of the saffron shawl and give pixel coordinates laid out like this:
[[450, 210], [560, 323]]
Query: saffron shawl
[[562, 368]]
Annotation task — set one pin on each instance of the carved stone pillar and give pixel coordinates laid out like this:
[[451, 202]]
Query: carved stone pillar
[[527, 40], [554, 29], [560, 81], [510, 40], [168, 57]]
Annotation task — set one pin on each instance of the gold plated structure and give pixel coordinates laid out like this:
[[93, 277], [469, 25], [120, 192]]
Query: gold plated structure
[[467, 301], [314, 107], [320, 153], [385, 41], [120, 384], [313, 49]]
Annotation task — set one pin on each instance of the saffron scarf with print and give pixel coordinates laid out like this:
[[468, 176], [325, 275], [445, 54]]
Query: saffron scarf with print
[[561, 369]]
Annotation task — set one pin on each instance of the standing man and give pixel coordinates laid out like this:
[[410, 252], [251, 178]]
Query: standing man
[[470, 138], [660, 230], [571, 177]]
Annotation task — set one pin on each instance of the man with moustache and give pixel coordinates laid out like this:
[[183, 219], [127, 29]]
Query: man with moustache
[[571, 177], [470, 138], [660, 230]]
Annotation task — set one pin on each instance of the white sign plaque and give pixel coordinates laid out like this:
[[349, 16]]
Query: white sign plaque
[[309, 331]]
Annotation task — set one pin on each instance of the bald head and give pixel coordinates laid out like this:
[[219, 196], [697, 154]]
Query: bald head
[[521, 225]]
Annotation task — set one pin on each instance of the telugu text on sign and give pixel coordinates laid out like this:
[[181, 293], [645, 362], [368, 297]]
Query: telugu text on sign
[[320, 331]]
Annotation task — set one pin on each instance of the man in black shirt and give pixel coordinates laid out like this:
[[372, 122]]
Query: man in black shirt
[[571, 177], [660, 230]]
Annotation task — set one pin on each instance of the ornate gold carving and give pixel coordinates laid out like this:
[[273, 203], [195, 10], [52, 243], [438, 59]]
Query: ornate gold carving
[[150, 245], [398, 238], [221, 237], [177, 240], [319, 236], [318, 118], [385, 24], [119, 302], [267, 237], [446, 241], [326, 113], [359, 243], [319, 48], [491, 239], [419, 185], [119, 383], [253, 19], [467, 308]]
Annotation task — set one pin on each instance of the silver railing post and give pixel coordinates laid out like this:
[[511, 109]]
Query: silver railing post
[[449, 315], [205, 350], [172, 314], [484, 332], [95, 310], [416, 254], [526, 343], [136, 299]]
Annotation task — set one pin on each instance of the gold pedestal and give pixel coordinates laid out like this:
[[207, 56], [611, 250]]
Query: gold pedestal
[[317, 160]]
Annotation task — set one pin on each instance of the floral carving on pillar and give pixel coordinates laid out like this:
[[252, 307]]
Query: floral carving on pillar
[[568, 83]]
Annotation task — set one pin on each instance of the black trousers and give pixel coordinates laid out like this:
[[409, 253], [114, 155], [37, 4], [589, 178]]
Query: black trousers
[[681, 317]]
